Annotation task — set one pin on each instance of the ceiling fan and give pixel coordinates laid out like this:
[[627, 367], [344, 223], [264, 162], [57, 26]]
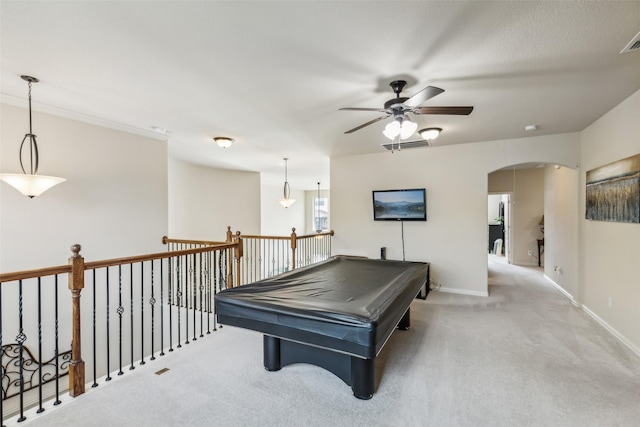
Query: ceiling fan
[[398, 107]]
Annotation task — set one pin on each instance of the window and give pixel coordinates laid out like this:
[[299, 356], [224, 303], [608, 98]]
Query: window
[[321, 214]]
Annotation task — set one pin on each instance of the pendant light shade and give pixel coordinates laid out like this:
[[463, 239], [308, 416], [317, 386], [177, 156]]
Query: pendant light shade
[[286, 201], [30, 184]]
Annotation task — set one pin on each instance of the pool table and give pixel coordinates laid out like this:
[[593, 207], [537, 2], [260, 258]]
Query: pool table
[[336, 314]]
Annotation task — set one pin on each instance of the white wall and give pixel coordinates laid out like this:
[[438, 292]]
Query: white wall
[[454, 237], [278, 221], [114, 202], [610, 251], [204, 201], [561, 228]]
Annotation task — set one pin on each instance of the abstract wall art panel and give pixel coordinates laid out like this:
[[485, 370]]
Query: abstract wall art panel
[[613, 191]]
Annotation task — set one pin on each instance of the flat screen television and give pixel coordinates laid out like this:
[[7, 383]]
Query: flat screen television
[[400, 205]]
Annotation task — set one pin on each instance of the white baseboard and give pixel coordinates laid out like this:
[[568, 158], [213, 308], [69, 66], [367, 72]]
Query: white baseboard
[[562, 290], [595, 317], [463, 292], [612, 330]]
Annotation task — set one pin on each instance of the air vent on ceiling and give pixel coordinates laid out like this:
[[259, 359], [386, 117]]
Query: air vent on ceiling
[[406, 145], [634, 44]]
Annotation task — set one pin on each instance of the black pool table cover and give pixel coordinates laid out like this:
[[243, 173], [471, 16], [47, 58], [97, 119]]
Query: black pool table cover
[[349, 305]]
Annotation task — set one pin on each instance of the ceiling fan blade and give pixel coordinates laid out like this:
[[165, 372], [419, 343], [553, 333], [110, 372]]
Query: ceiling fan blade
[[459, 111], [382, 110], [368, 123], [425, 94]]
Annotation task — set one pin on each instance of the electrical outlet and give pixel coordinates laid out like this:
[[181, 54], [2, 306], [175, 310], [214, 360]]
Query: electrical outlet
[[530, 253]]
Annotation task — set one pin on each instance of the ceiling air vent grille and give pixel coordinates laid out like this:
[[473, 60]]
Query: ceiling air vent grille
[[634, 44], [406, 145]]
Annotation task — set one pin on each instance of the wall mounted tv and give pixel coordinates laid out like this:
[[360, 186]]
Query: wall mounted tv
[[400, 205]]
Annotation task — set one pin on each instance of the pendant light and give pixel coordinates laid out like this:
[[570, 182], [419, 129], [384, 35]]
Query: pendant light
[[286, 201], [30, 184]]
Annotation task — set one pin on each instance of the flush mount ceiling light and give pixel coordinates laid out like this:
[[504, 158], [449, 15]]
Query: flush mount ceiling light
[[30, 184], [223, 141], [430, 134], [286, 201], [401, 126]]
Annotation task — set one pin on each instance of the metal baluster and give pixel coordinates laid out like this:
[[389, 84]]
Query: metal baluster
[[195, 295], [21, 338], [170, 298], [120, 311], [208, 290], [40, 408], [152, 302], [201, 289], [94, 320], [263, 256], [178, 298], [142, 362], [187, 282], [131, 313], [288, 259], [214, 273], [108, 334], [162, 304], [221, 276]]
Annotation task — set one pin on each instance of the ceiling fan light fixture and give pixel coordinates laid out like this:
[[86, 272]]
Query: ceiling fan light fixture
[[391, 130], [223, 141], [402, 126], [429, 134], [408, 128]]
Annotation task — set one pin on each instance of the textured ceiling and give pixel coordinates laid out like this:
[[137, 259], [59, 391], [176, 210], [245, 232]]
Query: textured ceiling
[[273, 75]]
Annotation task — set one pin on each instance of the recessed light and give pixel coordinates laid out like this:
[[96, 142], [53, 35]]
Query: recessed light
[[531, 128]]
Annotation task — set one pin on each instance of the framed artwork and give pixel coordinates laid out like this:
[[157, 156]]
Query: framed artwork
[[613, 191]]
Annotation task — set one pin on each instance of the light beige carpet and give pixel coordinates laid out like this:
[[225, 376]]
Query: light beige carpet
[[523, 356]]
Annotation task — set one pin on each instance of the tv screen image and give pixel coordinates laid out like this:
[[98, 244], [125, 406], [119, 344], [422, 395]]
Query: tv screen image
[[400, 205]]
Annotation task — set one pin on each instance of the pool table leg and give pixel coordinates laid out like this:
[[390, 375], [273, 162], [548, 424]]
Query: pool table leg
[[271, 353], [363, 377], [405, 322]]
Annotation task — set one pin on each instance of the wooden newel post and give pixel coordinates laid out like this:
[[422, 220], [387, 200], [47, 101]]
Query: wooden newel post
[[294, 245], [238, 256], [76, 283]]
